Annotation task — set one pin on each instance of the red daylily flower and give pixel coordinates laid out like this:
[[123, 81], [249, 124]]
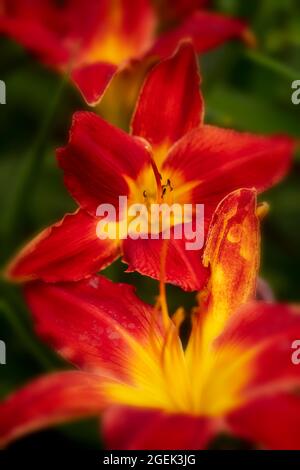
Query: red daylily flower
[[202, 164], [235, 375], [94, 40]]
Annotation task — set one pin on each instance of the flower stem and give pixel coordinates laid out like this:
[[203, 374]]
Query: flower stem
[[25, 339], [272, 64], [31, 167], [162, 284]]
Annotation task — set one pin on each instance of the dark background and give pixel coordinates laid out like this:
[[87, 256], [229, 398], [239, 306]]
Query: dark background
[[244, 89]]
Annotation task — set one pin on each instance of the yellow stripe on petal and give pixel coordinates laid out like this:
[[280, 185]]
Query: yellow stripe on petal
[[126, 32], [158, 376]]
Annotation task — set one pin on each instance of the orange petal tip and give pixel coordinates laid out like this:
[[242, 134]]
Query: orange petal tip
[[250, 38], [262, 210]]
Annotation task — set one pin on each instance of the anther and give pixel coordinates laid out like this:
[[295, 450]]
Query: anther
[[169, 184]]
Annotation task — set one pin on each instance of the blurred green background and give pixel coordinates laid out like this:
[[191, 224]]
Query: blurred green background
[[244, 89]]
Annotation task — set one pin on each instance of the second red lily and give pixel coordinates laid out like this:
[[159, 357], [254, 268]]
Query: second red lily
[[97, 39]]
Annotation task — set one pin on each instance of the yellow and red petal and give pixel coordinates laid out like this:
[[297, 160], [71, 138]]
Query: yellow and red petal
[[91, 323], [232, 252], [93, 80], [170, 103], [266, 333], [262, 336], [138, 25], [67, 251], [206, 29], [124, 31], [50, 400], [103, 34], [183, 267], [133, 429], [56, 33], [223, 160], [97, 160]]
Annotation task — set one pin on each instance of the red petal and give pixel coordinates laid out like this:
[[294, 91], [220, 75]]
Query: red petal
[[94, 37], [53, 32], [270, 406], [207, 30], [271, 422], [26, 23], [36, 39], [232, 252], [170, 103], [124, 31], [225, 160], [134, 429], [268, 330], [183, 267], [93, 80], [50, 400], [90, 323], [66, 251], [176, 9], [97, 158], [138, 25]]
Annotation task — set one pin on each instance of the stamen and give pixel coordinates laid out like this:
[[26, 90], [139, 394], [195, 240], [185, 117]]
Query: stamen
[[162, 284], [169, 184], [165, 187], [158, 177]]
